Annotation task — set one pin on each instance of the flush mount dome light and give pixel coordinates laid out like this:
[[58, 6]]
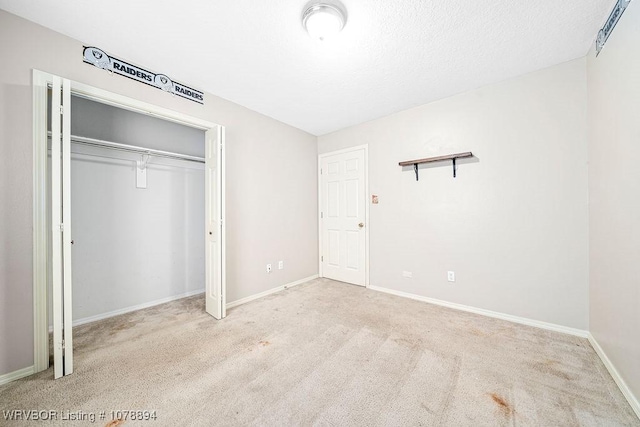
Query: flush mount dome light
[[323, 20]]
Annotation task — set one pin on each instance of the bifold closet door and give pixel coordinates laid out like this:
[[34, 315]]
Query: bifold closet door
[[61, 226], [215, 298]]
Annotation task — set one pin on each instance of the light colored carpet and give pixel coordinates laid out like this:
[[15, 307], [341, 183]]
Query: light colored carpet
[[327, 353]]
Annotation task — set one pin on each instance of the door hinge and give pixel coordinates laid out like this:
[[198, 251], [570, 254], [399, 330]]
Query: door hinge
[[322, 258], [220, 223], [320, 171], [321, 214], [62, 227], [61, 109]]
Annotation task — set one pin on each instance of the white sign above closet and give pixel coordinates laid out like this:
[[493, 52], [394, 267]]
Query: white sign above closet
[[98, 58]]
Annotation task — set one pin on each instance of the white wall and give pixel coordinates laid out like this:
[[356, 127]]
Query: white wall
[[134, 246], [513, 224], [271, 180], [614, 197]]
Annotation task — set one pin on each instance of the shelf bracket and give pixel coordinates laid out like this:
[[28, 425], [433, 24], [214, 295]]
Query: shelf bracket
[[454, 167], [415, 168]]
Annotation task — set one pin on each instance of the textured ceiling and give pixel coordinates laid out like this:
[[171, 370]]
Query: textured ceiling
[[391, 55]]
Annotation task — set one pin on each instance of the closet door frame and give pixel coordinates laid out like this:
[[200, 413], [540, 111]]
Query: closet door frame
[[41, 81]]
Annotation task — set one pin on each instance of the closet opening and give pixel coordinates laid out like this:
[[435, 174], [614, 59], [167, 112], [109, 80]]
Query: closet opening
[[137, 206], [128, 211]]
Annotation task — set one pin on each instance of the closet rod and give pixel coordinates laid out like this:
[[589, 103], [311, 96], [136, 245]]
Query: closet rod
[[134, 149]]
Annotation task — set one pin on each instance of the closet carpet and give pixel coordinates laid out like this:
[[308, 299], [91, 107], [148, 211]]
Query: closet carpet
[[327, 353]]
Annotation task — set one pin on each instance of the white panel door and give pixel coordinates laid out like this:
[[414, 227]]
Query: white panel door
[[215, 296], [342, 216], [61, 226]]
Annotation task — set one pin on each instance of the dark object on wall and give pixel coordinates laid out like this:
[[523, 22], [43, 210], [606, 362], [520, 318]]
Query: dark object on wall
[[98, 58], [612, 20]]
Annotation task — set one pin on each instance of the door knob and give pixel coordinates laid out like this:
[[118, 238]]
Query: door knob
[[361, 225]]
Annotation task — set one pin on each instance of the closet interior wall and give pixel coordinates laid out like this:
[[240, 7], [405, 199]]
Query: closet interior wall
[[133, 247]]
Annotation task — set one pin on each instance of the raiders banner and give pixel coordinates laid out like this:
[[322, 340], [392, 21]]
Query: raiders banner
[[100, 59]]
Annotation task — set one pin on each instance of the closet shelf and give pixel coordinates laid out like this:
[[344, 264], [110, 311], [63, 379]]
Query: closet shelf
[[133, 148], [452, 157]]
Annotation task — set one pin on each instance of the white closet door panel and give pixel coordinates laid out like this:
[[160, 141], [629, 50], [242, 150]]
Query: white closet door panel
[[56, 232], [67, 292], [215, 301], [61, 227]]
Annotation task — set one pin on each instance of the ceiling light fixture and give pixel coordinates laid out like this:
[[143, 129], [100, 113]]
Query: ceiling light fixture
[[323, 20]]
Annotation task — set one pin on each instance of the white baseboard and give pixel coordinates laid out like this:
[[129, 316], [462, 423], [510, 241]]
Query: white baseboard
[[516, 319], [622, 385], [113, 313], [16, 375], [270, 291], [236, 303]]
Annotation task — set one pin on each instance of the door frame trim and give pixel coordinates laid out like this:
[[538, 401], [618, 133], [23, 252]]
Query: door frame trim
[[41, 227], [366, 214]]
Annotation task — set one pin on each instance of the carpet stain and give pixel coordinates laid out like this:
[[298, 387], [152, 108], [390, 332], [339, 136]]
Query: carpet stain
[[121, 327], [560, 374], [546, 367], [429, 410], [502, 403], [114, 423], [404, 341], [264, 343], [477, 332]]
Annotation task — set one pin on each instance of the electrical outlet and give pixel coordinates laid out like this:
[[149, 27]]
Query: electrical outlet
[[451, 276], [280, 265], [407, 274], [268, 268]]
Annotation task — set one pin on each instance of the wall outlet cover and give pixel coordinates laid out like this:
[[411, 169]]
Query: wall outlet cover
[[451, 276]]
